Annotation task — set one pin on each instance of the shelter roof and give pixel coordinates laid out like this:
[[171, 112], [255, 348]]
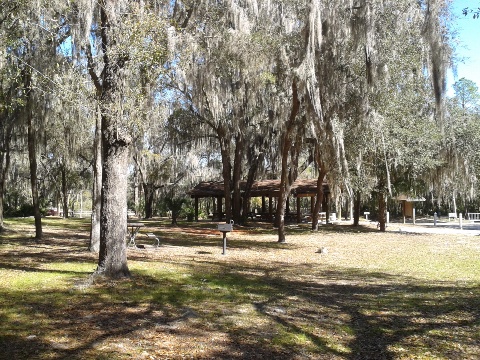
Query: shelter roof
[[403, 197], [265, 188], [307, 187], [207, 189], [301, 188]]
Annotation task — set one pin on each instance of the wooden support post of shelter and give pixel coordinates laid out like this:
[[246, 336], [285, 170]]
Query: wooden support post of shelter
[[196, 209], [270, 208], [299, 215], [219, 212]]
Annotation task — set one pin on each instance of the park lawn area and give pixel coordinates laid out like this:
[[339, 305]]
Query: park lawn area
[[340, 293]]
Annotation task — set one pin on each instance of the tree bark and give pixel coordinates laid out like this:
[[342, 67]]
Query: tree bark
[[32, 158], [149, 192], [289, 170], [319, 198], [237, 173], [322, 172], [64, 192], [116, 140], [356, 207], [252, 173], [32, 150], [226, 171], [113, 219], [136, 191], [6, 133], [382, 210], [4, 166], [97, 188]]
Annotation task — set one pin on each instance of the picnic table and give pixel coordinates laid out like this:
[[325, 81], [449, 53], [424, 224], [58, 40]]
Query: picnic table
[[134, 228]]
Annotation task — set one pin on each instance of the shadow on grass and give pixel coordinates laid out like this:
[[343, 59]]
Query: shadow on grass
[[205, 234], [20, 253], [217, 241], [274, 311], [344, 314], [361, 315], [254, 227]]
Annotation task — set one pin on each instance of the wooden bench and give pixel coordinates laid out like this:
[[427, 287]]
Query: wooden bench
[[452, 216]]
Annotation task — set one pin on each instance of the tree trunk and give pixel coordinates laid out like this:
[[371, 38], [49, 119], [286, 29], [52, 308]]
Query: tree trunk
[[2, 192], [356, 208], [174, 217], [237, 173], [4, 165], [322, 172], [136, 191], [4, 162], [382, 210], [64, 192], [319, 198], [113, 230], [32, 152], [32, 157], [116, 140], [252, 173], [226, 172], [149, 192], [454, 198], [57, 202], [289, 171], [97, 188]]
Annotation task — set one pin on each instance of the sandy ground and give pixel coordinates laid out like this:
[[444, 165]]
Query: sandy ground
[[426, 226]]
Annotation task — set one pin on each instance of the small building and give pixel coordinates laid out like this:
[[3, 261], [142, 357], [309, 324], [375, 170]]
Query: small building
[[408, 205]]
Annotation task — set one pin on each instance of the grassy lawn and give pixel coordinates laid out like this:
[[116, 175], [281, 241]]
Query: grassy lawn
[[367, 295]]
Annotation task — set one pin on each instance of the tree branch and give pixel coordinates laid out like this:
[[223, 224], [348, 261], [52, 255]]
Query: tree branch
[[187, 19], [476, 13], [91, 70]]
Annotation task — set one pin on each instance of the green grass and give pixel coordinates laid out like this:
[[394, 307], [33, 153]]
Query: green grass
[[49, 222], [390, 296]]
